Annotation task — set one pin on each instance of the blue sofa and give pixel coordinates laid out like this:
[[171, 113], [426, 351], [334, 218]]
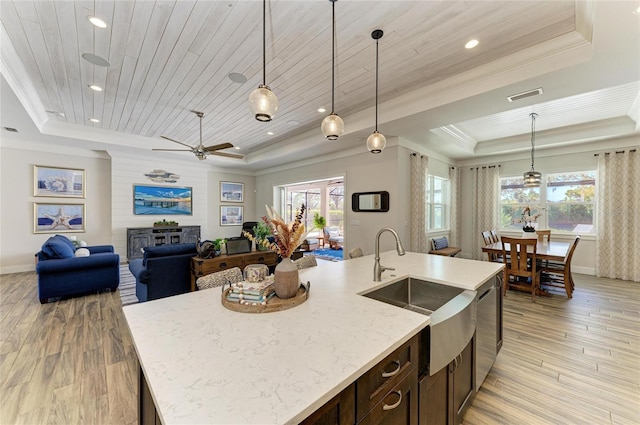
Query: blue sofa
[[61, 273], [163, 271]]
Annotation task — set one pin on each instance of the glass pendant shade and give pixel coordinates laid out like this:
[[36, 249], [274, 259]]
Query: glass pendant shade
[[263, 103], [376, 142], [332, 127]]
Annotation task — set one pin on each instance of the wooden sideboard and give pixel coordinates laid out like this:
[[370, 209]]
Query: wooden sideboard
[[140, 237], [202, 267]]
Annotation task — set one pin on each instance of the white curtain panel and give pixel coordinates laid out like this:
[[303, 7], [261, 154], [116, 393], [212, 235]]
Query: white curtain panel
[[418, 164], [454, 184], [618, 216], [486, 201]]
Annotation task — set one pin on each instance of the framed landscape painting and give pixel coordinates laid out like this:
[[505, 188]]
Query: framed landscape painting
[[58, 182], [161, 200], [231, 192], [231, 216], [58, 218]]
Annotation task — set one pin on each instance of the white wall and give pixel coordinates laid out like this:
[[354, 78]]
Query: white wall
[[18, 243], [249, 203], [363, 172]]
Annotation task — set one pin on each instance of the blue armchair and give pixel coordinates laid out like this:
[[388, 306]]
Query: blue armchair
[[163, 271], [61, 273]]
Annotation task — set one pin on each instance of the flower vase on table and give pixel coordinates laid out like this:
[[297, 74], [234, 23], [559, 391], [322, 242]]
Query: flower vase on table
[[286, 238], [286, 280]]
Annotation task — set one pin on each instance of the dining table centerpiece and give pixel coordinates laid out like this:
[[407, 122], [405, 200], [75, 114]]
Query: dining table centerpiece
[[286, 238], [528, 220]]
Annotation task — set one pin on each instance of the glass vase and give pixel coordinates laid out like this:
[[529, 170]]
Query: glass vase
[[286, 280]]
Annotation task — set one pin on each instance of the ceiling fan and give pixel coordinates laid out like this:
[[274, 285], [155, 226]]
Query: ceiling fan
[[202, 151]]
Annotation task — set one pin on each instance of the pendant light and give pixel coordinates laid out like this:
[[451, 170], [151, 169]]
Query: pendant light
[[376, 141], [332, 125], [262, 101], [532, 178]]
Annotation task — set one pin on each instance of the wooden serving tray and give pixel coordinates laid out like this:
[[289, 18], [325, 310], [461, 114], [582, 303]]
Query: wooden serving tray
[[273, 304]]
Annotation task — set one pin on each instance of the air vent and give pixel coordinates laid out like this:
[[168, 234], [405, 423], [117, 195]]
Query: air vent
[[523, 95], [11, 129]]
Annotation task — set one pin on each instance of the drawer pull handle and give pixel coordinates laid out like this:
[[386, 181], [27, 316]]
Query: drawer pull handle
[[394, 372], [261, 259], [394, 405], [223, 265]]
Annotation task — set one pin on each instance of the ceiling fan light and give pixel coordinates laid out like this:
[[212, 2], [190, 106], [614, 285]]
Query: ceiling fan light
[[376, 142], [332, 126], [263, 103]]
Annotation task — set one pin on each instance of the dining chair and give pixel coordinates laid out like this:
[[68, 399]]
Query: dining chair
[[488, 240], [355, 253], [494, 236], [559, 274], [544, 234], [306, 261], [517, 266], [486, 236]]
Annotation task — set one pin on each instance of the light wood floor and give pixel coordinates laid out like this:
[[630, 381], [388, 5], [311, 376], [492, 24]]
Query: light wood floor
[[566, 361], [563, 361]]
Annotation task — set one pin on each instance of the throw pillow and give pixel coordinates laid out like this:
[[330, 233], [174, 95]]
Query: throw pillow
[[306, 261], [56, 248], [82, 252], [439, 243]]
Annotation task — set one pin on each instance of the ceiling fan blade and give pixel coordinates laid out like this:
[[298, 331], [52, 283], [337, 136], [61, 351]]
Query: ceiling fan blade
[[175, 141], [174, 150], [217, 147], [228, 155]]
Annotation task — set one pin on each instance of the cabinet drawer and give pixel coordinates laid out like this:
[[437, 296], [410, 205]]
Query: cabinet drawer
[[398, 406], [374, 385], [261, 257], [202, 268]]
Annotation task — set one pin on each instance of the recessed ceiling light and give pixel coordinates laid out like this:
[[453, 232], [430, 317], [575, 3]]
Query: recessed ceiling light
[[237, 147], [637, 11], [96, 60], [94, 87], [97, 21], [471, 44], [236, 77], [94, 120], [270, 133], [322, 110]]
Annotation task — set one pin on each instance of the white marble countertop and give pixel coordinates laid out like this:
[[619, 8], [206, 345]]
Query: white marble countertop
[[205, 364]]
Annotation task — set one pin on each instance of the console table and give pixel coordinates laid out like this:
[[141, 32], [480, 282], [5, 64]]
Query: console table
[[202, 267], [140, 237]]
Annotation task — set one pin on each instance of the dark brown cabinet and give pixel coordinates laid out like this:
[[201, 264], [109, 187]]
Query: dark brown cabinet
[[204, 266], [340, 410], [399, 406], [445, 396]]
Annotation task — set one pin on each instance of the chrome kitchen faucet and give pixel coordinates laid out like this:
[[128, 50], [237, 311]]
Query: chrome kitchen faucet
[[377, 267]]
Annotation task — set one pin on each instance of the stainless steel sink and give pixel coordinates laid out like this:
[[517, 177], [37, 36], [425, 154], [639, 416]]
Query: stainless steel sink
[[453, 314]]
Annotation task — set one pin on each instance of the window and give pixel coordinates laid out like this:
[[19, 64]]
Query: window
[[437, 203], [566, 200]]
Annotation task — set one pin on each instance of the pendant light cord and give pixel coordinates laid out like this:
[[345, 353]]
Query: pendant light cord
[[333, 56], [376, 84], [264, 42], [533, 136]]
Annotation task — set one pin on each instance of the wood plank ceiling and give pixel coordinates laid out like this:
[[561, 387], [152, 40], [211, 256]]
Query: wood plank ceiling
[[170, 57]]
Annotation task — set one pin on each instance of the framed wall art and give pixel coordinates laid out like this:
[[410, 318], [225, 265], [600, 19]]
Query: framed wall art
[[231, 192], [161, 200], [231, 216], [58, 182], [58, 218]]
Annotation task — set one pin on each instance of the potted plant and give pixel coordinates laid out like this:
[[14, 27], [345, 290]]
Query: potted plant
[[261, 232], [217, 244], [319, 221]]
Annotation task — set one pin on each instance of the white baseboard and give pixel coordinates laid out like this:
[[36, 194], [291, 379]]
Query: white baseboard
[[18, 269]]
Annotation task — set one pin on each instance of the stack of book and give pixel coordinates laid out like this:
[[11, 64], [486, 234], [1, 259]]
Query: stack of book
[[252, 293]]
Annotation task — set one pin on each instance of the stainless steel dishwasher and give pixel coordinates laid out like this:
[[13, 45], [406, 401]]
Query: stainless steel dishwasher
[[486, 331]]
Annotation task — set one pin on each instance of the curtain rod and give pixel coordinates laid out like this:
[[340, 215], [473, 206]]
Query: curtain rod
[[608, 153], [485, 166]]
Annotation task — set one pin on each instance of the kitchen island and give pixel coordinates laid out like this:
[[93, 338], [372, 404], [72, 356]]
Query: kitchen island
[[206, 364]]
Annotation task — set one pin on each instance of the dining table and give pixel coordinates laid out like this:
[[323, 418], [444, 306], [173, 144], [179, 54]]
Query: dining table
[[545, 250], [551, 250]]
